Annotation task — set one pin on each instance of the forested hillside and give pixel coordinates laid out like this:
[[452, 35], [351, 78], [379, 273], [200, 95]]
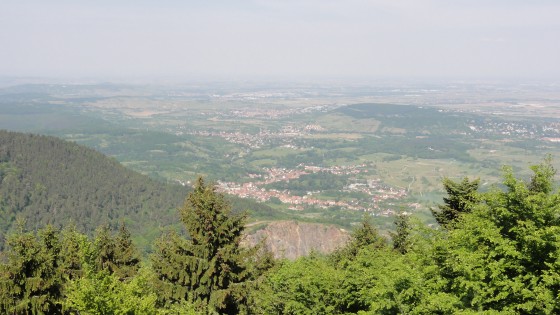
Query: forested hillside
[[45, 180]]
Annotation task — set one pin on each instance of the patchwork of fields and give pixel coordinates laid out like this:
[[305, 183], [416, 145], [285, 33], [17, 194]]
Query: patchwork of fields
[[314, 157]]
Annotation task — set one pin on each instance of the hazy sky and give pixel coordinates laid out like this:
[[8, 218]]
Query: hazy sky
[[281, 38]]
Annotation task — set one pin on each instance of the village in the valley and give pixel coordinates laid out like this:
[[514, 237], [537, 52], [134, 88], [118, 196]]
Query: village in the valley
[[256, 189], [378, 198]]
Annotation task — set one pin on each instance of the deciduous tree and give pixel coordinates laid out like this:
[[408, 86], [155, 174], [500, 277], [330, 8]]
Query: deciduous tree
[[505, 255]]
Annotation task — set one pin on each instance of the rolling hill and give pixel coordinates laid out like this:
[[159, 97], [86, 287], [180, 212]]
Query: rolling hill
[[46, 180]]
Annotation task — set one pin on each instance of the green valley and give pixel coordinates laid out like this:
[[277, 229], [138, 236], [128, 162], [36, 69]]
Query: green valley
[[307, 152]]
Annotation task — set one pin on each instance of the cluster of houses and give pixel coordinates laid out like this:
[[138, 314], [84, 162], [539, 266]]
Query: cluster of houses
[[372, 187]]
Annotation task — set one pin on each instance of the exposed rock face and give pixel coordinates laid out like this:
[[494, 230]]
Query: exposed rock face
[[291, 239]]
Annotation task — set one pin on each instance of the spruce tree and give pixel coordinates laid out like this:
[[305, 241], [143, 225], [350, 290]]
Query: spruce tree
[[30, 280], [116, 254], [461, 198], [104, 250], [401, 237], [72, 245], [210, 269], [365, 236], [127, 257]]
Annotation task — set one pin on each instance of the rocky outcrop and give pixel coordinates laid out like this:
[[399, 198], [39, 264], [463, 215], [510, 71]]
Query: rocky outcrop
[[291, 239]]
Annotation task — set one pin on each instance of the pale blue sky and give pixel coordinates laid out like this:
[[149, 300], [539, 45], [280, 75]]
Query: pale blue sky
[[281, 38]]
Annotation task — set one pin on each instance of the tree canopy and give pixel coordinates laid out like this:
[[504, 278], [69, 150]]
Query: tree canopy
[[499, 255], [210, 268], [461, 198]]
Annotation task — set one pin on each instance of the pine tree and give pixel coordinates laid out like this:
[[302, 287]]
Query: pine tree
[[30, 281], [462, 196], [116, 254], [104, 250], [365, 236], [127, 257], [209, 269], [401, 238]]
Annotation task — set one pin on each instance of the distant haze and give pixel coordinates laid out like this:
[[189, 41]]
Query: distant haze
[[281, 38]]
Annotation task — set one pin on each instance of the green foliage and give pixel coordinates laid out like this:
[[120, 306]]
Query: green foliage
[[75, 250], [505, 255], [116, 254], [310, 285], [498, 254], [48, 180], [99, 293], [127, 257], [401, 238], [31, 280], [383, 282], [182, 308], [501, 257], [210, 269], [54, 272], [461, 198], [543, 176], [365, 236]]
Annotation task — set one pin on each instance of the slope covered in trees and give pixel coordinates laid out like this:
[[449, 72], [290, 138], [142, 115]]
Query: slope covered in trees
[[45, 180], [49, 181]]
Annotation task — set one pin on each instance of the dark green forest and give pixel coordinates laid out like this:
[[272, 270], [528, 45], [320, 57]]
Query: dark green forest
[[417, 119], [45, 180], [49, 181], [493, 252]]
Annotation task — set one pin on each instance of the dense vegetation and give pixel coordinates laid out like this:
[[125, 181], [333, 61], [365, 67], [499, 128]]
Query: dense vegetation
[[49, 181], [415, 119], [496, 252], [46, 180], [57, 271]]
